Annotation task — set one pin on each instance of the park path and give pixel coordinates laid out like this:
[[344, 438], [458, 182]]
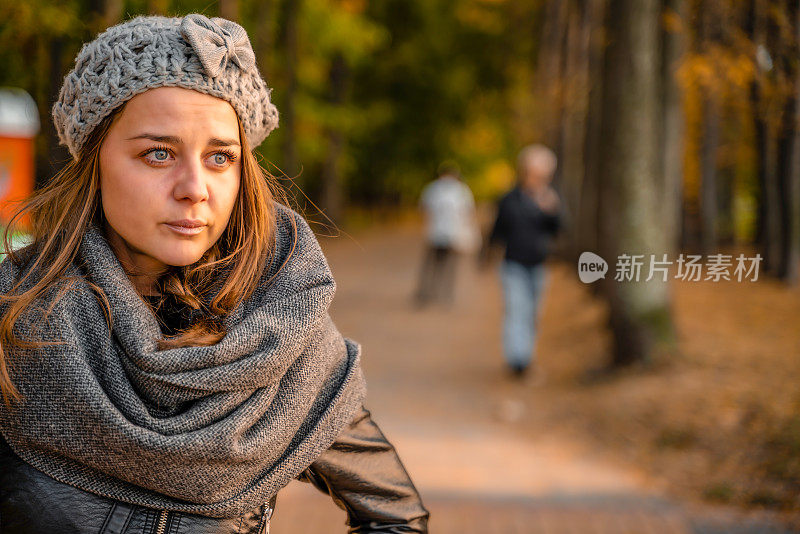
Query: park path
[[438, 389]]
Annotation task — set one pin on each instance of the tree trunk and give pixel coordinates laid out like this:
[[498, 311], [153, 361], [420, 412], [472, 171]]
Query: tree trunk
[[674, 38], [332, 196], [784, 196], [792, 250], [589, 220], [769, 218], [288, 119], [763, 99], [709, 213], [640, 316], [57, 154], [708, 165], [264, 37], [549, 72], [772, 204], [574, 119]]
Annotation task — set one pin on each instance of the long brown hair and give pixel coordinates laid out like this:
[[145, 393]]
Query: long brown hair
[[61, 212]]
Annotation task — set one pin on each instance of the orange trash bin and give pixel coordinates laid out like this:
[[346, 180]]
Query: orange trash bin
[[19, 124]]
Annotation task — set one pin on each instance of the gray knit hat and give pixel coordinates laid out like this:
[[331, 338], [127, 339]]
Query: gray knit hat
[[212, 56]]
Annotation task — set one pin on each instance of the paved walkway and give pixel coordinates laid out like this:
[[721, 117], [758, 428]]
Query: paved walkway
[[437, 388]]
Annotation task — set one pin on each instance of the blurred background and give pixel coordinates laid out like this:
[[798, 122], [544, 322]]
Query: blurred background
[[668, 405]]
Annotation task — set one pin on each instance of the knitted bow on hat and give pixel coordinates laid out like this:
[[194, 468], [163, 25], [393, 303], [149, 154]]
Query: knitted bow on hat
[[217, 41]]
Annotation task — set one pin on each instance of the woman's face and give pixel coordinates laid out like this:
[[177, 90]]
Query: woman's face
[[170, 168]]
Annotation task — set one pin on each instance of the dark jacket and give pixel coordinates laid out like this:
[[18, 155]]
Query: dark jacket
[[525, 229], [361, 471]]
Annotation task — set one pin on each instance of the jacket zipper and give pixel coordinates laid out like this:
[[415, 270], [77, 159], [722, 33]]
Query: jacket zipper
[[161, 526], [265, 517], [163, 516]]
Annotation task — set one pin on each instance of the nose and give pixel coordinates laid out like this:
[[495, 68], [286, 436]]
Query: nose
[[191, 183]]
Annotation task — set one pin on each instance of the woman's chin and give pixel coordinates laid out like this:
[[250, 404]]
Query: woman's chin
[[181, 258]]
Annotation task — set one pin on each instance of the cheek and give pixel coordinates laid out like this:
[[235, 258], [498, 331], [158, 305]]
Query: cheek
[[125, 201], [227, 192]]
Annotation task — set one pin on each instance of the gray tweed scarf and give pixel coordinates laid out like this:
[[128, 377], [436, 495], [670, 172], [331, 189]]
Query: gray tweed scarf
[[214, 430]]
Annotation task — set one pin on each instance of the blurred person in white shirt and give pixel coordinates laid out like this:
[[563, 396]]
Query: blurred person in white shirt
[[451, 228]]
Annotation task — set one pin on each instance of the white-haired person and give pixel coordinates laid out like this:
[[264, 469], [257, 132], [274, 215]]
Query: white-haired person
[[527, 220]]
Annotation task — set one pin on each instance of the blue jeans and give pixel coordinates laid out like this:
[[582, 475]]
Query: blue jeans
[[523, 287]]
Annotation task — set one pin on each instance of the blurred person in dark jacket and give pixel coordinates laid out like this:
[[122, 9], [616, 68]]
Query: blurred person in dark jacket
[[528, 217]]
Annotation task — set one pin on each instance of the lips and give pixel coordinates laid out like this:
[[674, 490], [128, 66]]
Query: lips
[[186, 226]]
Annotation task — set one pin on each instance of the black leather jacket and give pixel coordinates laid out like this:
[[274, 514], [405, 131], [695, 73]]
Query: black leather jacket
[[360, 471]]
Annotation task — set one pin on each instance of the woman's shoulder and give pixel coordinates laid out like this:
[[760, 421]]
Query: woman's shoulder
[[295, 245], [292, 231], [13, 267]]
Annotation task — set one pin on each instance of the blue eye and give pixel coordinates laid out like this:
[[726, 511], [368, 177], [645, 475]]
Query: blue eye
[[222, 159], [157, 156]]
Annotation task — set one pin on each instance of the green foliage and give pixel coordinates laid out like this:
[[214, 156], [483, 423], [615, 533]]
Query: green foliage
[[445, 78], [26, 30], [426, 80]]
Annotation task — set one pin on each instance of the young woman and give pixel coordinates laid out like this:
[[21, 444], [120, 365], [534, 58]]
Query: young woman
[[167, 361]]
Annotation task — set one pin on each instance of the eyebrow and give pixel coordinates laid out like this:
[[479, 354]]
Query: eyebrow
[[174, 140]]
